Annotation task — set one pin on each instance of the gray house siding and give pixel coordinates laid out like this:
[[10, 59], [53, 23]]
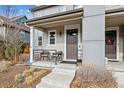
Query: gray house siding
[[55, 9], [37, 33]]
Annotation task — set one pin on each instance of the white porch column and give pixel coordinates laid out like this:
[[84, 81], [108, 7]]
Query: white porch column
[[31, 43], [94, 35]]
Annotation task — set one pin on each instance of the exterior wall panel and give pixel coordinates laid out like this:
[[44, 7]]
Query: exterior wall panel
[[94, 35], [55, 9], [37, 33]]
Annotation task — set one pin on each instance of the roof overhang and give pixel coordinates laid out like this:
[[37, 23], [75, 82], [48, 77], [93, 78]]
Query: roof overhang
[[115, 18], [57, 19]]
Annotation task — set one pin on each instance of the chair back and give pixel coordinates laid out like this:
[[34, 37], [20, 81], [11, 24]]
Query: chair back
[[59, 52], [45, 52]]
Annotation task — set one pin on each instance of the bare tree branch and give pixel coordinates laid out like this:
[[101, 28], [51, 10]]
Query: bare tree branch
[[12, 39]]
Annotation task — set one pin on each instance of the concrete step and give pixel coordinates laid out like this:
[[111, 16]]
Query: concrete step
[[63, 71], [66, 66]]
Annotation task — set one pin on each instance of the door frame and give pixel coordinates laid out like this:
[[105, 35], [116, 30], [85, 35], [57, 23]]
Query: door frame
[[69, 27], [117, 39]]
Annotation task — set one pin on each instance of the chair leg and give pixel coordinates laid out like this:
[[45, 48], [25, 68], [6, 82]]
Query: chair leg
[[48, 58], [55, 60]]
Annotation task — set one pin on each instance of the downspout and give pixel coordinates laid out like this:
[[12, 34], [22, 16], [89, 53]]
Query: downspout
[[123, 42]]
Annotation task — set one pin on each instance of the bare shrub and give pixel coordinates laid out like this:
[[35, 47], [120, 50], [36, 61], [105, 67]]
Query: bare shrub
[[14, 46], [2, 49], [88, 75]]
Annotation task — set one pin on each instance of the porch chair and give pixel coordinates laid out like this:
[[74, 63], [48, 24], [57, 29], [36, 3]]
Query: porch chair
[[57, 56], [45, 55], [60, 55], [53, 57]]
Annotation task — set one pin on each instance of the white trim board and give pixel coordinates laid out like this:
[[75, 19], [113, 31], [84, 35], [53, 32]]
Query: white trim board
[[117, 44]]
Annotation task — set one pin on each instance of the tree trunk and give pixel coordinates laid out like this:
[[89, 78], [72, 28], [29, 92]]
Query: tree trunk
[[15, 55]]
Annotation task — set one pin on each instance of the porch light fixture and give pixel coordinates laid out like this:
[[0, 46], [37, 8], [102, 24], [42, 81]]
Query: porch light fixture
[[60, 33], [74, 34]]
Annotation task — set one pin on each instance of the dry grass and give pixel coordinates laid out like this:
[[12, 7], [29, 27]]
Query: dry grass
[[31, 75], [15, 78], [90, 76]]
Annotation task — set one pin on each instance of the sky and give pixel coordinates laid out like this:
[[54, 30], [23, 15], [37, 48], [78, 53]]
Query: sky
[[21, 10], [24, 10]]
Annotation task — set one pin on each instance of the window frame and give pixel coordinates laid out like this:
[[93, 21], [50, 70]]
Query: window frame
[[49, 37], [40, 40]]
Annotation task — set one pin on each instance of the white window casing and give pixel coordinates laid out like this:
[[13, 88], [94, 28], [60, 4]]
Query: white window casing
[[49, 37]]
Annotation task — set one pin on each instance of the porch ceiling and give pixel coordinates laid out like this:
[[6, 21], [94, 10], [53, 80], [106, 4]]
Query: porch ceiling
[[114, 19], [64, 18]]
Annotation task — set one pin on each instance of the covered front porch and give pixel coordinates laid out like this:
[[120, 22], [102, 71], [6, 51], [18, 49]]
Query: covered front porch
[[60, 33], [72, 33]]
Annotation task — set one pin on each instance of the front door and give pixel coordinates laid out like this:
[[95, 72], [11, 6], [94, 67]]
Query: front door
[[110, 44], [71, 44]]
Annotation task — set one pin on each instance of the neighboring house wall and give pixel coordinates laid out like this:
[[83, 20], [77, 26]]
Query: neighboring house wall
[[25, 36], [2, 30], [21, 20]]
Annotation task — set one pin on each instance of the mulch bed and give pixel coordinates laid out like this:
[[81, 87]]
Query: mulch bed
[[92, 76], [7, 79]]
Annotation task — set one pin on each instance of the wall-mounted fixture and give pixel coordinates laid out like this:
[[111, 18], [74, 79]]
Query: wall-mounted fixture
[[60, 34]]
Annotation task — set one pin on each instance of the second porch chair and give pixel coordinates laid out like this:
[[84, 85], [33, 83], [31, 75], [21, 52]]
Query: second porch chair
[[45, 55], [60, 55], [57, 56]]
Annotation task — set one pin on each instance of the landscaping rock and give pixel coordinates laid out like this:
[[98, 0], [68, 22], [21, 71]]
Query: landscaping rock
[[4, 66], [19, 78]]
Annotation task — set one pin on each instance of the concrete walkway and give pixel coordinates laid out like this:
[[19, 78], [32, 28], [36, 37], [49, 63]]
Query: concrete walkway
[[119, 78], [61, 77], [118, 72]]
